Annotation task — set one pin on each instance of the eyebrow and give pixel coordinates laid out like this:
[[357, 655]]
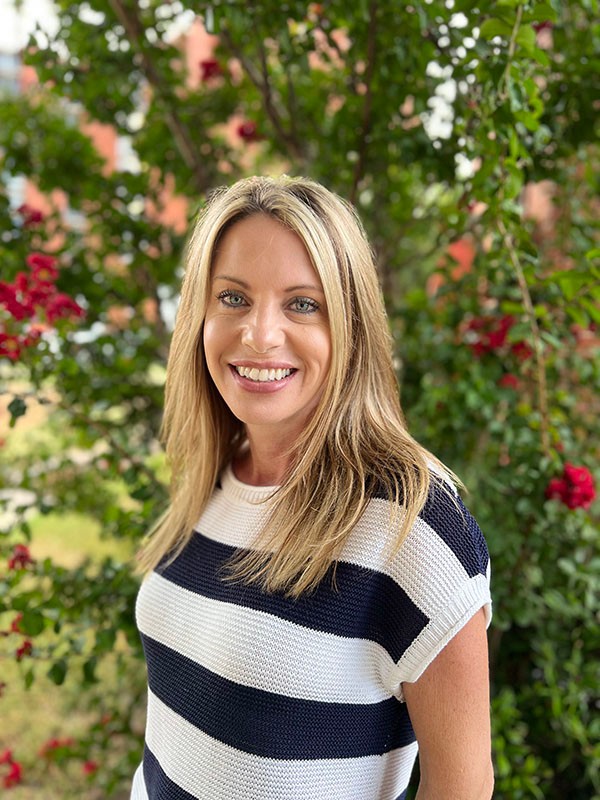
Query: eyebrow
[[244, 285]]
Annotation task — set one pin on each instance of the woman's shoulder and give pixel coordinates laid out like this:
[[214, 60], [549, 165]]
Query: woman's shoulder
[[443, 529]]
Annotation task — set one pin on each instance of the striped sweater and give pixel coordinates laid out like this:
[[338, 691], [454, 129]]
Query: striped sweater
[[253, 696]]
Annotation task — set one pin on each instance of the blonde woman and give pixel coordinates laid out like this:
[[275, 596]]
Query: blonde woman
[[317, 595]]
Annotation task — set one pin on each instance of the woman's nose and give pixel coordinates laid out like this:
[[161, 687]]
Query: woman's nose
[[263, 329]]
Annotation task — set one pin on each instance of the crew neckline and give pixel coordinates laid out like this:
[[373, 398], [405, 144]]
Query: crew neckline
[[237, 490]]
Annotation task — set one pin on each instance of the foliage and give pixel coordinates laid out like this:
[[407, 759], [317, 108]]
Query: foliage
[[436, 120]]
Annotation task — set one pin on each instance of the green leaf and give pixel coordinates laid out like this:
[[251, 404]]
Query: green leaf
[[89, 670], [58, 671], [495, 27], [542, 12], [32, 623], [16, 408], [526, 38]]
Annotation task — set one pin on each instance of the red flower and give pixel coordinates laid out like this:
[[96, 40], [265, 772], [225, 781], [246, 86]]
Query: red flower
[[40, 261], [575, 488], [48, 749], [44, 274], [509, 381], [14, 625], [486, 334], [248, 131], [540, 26], [89, 767], [31, 216], [61, 306], [14, 775], [522, 350], [10, 346], [21, 557], [24, 650], [18, 307], [210, 68]]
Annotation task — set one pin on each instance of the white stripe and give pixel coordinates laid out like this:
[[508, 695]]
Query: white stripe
[[257, 649], [425, 567], [211, 770], [444, 627], [138, 788]]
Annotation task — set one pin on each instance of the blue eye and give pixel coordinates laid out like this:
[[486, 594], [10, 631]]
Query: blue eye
[[304, 305], [231, 298]]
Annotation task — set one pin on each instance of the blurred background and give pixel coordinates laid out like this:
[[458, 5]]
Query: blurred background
[[466, 134]]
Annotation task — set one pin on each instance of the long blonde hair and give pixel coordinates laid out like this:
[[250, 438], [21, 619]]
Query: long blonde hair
[[355, 444]]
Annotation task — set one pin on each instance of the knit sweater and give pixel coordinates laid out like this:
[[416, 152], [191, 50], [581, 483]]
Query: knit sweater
[[254, 696]]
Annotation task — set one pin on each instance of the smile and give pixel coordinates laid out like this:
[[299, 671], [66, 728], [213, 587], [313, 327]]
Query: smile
[[262, 375]]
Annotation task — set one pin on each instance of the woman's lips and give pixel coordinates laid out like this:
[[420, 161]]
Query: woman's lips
[[262, 379]]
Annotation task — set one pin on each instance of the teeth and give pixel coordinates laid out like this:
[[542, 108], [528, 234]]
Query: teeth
[[263, 375]]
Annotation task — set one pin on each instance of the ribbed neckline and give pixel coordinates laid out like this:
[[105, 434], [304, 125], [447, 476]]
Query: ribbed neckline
[[236, 490]]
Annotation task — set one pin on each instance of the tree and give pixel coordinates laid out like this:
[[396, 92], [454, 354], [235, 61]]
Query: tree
[[440, 122]]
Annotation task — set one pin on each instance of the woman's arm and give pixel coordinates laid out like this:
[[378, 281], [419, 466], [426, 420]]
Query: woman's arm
[[449, 706]]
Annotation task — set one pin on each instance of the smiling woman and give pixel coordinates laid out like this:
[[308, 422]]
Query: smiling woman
[[317, 594], [267, 347]]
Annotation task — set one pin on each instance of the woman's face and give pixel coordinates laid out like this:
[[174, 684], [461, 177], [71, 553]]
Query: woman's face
[[266, 333]]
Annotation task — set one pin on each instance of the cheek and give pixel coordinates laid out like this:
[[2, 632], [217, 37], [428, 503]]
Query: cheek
[[213, 341], [320, 346]]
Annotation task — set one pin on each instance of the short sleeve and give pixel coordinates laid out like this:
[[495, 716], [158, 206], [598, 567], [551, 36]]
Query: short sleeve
[[444, 568]]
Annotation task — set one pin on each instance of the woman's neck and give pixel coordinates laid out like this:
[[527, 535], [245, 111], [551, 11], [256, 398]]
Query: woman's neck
[[262, 463]]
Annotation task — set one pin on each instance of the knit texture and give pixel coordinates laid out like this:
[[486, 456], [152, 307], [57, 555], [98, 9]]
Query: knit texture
[[253, 696]]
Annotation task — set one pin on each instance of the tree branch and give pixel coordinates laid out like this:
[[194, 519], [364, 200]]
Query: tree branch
[[368, 104], [262, 82], [512, 46], [130, 21], [537, 339]]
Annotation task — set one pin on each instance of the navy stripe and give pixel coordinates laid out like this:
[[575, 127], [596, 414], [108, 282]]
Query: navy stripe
[[273, 725], [452, 521], [446, 513], [158, 785], [366, 604]]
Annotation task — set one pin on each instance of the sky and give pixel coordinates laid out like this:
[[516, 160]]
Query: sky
[[16, 26]]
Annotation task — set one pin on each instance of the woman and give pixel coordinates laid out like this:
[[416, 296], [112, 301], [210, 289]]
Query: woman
[[317, 601]]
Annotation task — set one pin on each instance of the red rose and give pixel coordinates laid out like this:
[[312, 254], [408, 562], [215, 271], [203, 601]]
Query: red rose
[[31, 216], [6, 757], [209, 68], [486, 334], [14, 775], [24, 650], [14, 625], [509, 381], [522, 350], [61, 306], [89, 767], [575, 488], [18, 307], [44, 273], [10, 346], [21, 557], [40, 261], [48, 748], [248, 131]]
